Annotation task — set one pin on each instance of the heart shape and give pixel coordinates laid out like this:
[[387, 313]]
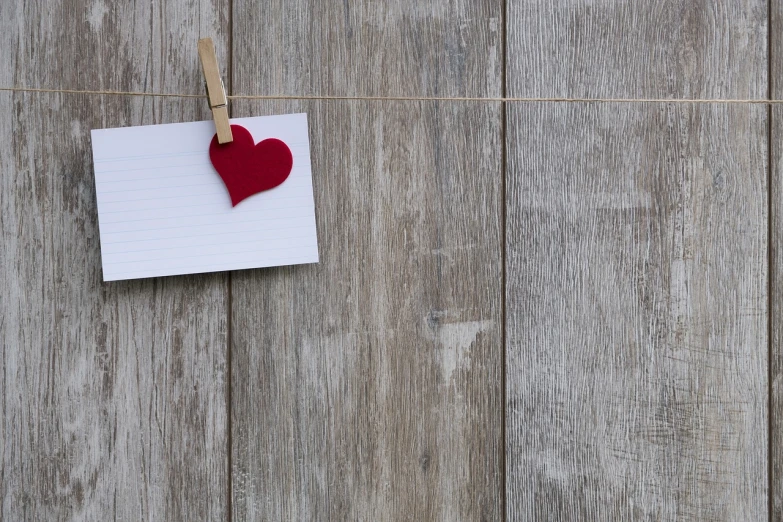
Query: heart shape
[[247, 168]]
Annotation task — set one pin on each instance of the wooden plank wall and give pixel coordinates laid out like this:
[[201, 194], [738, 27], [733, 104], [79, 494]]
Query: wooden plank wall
[[368, 387], [114, 395], [776, 266], [637, 263], [523, 311]]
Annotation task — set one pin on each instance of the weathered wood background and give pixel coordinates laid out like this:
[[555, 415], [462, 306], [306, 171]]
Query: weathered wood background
[[523, 311]]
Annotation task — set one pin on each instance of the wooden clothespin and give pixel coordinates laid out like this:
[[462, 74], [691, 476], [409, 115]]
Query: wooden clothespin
[[216, 91]]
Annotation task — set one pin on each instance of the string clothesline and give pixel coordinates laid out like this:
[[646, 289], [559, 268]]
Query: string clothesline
[[727, 101]]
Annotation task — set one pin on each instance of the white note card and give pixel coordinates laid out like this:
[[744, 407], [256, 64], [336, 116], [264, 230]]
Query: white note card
[[163, 209]]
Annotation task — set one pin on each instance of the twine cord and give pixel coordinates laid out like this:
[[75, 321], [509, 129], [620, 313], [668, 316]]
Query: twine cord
[[728, 101]]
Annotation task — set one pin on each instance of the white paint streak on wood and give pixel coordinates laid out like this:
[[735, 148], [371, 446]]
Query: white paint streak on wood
[[455, 341], [96, 14]]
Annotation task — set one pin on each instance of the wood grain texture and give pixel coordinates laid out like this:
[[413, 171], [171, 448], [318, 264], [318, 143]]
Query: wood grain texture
[[606, 48], [405, 48], [776, 307], [368, 387], [114, 398], [776, 267], [637, 323], [636, 264]]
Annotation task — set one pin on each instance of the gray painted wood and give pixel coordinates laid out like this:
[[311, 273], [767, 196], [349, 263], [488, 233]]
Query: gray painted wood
[[368, 387], [114, 395], [637, 318], [636, 264], [776, 304], [776, 270], [600, 48], [404, 48]]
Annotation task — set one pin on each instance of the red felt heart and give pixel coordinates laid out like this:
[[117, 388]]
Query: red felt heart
[[248, 169]]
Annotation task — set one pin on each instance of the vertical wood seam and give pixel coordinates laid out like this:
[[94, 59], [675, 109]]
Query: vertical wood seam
[[229, 308], [503, 253], [771, 271], [770, 286]]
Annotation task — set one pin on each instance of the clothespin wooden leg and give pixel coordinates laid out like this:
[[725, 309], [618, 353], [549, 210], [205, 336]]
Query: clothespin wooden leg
[[218, 101]]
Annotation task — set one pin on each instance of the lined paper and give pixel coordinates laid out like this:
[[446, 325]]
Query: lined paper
[[163, 209]]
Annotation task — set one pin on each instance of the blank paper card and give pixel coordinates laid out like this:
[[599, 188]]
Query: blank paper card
[[163, 209]]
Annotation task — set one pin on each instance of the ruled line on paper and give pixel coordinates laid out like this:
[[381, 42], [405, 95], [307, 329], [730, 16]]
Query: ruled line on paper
[[191, 206], [288, 233], [287, 221], [266, 248], [163, 210], [136, 168], [292, 146], [201, 269], [167, 242], [153, 183], [134, 179], [162, 253], [166, 215]]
